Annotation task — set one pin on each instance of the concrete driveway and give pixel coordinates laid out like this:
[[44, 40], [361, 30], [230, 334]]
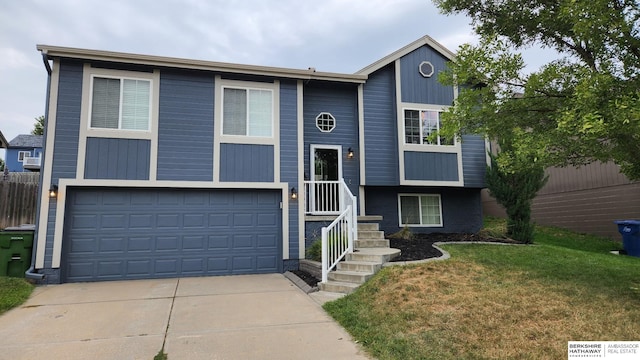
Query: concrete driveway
[[228, 317]]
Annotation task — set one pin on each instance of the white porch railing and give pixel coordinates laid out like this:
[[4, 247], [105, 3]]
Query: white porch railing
[[31, 162], [333, 197]]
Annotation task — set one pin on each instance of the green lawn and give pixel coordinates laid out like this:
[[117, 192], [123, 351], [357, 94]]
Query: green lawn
[[498, 301], [13, 292]]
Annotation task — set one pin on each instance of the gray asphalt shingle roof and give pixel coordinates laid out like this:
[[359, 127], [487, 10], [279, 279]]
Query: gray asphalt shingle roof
[[27, 141]]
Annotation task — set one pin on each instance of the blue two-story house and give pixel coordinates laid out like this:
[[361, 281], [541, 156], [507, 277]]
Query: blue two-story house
[[165, 167], [24, 153]]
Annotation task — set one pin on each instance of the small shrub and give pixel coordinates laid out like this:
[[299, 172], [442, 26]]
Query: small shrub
[[314, 252], [404, 234]]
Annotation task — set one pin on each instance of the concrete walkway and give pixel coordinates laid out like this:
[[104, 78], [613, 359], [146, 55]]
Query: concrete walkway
[[228, 317]]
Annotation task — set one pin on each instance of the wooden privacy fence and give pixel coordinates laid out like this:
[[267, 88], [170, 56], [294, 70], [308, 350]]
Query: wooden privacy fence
[[18, 199]]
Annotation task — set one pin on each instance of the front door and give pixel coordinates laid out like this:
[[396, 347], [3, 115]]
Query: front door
[[326, 172]]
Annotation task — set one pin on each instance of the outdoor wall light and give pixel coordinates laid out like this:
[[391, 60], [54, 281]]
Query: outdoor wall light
[[350, 153], [53, 191], [294, 193]]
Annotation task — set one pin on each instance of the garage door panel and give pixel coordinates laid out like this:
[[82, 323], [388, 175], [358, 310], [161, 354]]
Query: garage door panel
[[150, 233]]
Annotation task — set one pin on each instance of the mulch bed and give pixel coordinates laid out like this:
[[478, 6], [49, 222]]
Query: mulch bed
[[419, 247]]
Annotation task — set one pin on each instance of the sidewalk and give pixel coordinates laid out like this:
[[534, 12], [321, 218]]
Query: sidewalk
[[229, 317]]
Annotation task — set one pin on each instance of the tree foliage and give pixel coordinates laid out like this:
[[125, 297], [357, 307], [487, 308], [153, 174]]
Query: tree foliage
[[574, 110], [38, 127]]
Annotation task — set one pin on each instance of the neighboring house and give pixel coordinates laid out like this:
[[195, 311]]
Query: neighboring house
[[585, 199], [3, 142], [165, 167], [24, 153]]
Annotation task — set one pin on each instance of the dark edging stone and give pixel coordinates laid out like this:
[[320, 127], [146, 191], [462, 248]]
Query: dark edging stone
[[300, 283]]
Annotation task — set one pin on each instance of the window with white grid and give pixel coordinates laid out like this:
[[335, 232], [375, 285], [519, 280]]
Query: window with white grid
[[325, 122], [420, 210]]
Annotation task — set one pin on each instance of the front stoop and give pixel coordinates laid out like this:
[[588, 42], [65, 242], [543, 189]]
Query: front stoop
[[372, 250]]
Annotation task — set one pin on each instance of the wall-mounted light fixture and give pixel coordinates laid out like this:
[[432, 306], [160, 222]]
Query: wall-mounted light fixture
[[294, 193], [350, 153], [53, 191]]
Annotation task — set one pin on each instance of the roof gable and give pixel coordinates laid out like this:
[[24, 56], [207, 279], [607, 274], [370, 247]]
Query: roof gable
[[3, 142], [425, 40], [26, 141]]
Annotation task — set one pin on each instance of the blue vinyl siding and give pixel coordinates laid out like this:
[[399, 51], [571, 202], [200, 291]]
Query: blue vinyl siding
[[185, 129], [242, 162], [65, 146], [341, 101], [11, 158], [289, 156], [430, 166], [380, 129], [123, 159], [461, 208], [65, 156], [474, 161], [418, 89]]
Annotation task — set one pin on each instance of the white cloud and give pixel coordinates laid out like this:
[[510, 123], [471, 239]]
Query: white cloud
[[331, 35]]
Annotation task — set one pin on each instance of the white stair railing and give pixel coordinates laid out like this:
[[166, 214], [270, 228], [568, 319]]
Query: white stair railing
[[338, 238]]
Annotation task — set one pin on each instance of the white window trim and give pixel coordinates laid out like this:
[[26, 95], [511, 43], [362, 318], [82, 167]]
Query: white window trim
[[440, 110], [247, 86], [24, 155], [332, 117], [87, 131], [121, 78], [401, 224], [429, 74]]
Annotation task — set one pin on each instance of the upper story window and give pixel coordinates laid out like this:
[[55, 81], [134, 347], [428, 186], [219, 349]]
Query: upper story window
[[420, 124], [247, 112], [325, 122], [22, 155], [120, 103]]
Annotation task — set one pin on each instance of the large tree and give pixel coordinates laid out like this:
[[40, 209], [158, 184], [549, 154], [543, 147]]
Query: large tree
[[576, 109]]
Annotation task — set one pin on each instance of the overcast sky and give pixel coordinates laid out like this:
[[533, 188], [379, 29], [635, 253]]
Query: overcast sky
[[330, 35]]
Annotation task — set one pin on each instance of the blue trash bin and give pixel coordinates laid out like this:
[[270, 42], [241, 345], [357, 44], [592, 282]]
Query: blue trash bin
[[630, 231]]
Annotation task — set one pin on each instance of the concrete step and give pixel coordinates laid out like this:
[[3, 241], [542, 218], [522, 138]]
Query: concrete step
[[368, 243], [363, 266], [338, 287], [368, 226], [379, 255], [367, 234], [356, 277]]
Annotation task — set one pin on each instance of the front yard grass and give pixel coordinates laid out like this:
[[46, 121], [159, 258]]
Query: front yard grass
[[13, 292], [498, 301]]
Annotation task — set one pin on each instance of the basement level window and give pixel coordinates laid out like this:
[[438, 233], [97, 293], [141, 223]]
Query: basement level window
[[325, 122]]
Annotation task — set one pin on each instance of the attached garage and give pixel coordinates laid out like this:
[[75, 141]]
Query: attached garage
[[133, 233]]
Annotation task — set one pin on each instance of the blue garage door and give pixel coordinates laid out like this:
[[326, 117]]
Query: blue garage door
[[115, 234]]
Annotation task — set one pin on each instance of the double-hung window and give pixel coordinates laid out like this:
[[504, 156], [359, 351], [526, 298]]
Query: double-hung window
[[23, 154], [247, 112], [420, 210], [419, 125], [120, 103]]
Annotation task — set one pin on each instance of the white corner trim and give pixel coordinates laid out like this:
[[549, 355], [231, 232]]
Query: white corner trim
[[217, 127], [361, 139], [300, 185], [43, 221]]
